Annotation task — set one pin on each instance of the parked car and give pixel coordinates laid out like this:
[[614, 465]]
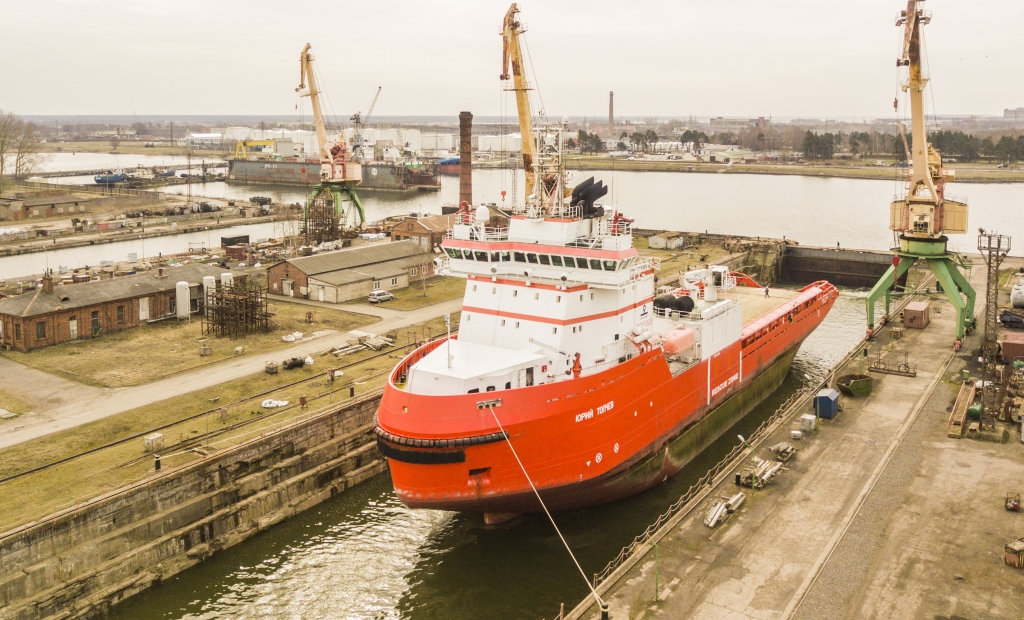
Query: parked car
[[378, 296]]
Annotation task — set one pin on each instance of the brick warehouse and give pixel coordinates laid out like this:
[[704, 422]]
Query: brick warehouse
[[58, 313]]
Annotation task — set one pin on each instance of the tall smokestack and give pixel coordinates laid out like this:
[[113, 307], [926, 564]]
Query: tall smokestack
[[611, 111], [466, 157]]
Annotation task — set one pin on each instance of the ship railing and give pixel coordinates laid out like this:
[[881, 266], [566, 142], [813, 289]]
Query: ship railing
[[482, 233], [735, 456], [955, 198], [675, 315]]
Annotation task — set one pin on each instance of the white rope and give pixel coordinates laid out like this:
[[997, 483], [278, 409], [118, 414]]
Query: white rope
[[542, 505]]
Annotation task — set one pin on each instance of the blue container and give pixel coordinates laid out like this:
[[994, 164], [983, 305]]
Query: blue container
[[826, 404]]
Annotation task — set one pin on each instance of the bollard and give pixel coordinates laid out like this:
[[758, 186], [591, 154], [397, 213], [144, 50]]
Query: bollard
[[156, 462], [604, 611], [351, 391]]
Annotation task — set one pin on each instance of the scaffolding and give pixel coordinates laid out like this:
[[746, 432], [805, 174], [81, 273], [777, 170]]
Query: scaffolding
[[994, 248], [236, 311], [326, 217]]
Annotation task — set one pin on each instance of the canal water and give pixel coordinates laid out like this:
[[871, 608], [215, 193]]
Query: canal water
[[811, 210], [363, 554]]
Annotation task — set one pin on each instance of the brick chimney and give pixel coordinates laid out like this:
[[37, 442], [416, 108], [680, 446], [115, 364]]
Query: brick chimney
[[466, 157], [48, 282]]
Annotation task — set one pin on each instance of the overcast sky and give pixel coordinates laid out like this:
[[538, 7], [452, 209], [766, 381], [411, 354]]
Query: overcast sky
[[802, 58]]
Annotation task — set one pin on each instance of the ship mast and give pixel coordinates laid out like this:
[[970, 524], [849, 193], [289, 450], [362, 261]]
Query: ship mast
[[512, 54]]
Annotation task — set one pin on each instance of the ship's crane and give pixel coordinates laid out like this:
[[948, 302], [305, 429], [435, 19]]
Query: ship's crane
[[335, 166], [542, 147], [360, 121], [325, 215], [923, 216], [512, 56]]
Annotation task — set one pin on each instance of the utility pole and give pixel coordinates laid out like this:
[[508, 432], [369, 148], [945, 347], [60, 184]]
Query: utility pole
[[994, 248]]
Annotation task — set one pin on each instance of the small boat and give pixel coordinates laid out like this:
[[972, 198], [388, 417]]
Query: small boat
[[855, 385], [111, 177]]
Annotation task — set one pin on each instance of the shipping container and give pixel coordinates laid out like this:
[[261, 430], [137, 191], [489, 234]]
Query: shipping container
[[1013, 347], [917, 315]]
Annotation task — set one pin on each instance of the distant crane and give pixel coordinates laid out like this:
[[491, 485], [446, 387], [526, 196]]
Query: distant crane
[[322, 218], [360, 121], [923, 216]]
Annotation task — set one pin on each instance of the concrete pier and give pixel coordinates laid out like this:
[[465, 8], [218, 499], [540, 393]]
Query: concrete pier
[[879, 515]]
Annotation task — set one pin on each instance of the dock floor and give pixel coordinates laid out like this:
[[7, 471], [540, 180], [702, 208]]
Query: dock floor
[[879, 515]]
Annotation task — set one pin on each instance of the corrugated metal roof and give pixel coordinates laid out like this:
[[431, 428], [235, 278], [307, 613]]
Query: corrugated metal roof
[[354, 257], [379, 271], [438, 223], [70, 296]]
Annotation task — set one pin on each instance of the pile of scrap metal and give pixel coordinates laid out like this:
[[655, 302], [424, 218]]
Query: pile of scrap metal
[[758, 476], [783, 451], [722, 508]]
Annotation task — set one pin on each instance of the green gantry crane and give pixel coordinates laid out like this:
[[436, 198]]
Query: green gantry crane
[[924, 215]]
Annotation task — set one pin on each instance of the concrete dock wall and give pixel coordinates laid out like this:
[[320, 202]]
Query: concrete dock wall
[[79, 562]]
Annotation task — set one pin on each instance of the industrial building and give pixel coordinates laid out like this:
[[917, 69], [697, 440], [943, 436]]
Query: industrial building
[[58, 313], [428, 231], [20, 206], [336, 277]]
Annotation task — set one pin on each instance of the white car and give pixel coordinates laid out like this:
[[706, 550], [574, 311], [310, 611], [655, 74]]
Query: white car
[[378, 296]]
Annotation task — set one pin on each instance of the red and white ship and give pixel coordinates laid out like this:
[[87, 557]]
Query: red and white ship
[[602, 388]]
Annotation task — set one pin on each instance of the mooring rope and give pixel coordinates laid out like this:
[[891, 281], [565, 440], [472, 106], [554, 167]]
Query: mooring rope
[[508, 440]]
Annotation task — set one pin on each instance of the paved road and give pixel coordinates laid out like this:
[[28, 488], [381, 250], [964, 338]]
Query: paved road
[[80, 404]]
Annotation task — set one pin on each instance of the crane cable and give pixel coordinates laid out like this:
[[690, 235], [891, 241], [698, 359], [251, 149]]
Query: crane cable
[[508, 440]]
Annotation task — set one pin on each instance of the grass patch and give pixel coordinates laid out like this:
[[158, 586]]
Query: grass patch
[[148, 352], [54, 488], [441, 288], [13, 403]]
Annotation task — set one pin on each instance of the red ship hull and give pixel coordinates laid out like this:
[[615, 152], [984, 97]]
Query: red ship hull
[[590, 440]]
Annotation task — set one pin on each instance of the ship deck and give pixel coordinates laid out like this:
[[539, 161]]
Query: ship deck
[[755, 304]]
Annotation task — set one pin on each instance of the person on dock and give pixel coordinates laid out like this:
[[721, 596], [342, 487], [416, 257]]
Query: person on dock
[[766, 292]]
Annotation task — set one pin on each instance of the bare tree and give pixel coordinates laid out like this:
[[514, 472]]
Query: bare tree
[[27, 156], [114, 141], [9, 127]]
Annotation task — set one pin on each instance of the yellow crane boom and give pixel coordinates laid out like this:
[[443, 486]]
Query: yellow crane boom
[[334, 162], [511, 54]]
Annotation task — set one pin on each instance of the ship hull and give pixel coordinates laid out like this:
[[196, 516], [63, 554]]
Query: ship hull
[[376, 175], [590, 440]]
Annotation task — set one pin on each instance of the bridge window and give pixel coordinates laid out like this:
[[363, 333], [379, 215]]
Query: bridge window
[[453, 253], [595, 264], [531, 258], [582, 263], [544, 260], [519, 256], [609, 265], [506, 257], [495, 257], [556, 261], [468, 254], [481, 256], [569, 261]]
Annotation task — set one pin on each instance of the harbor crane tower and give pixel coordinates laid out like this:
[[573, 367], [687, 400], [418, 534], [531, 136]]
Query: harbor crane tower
[[924, 214], [325, 214]]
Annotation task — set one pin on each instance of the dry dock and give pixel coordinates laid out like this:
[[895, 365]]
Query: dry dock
[[879, 515]]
